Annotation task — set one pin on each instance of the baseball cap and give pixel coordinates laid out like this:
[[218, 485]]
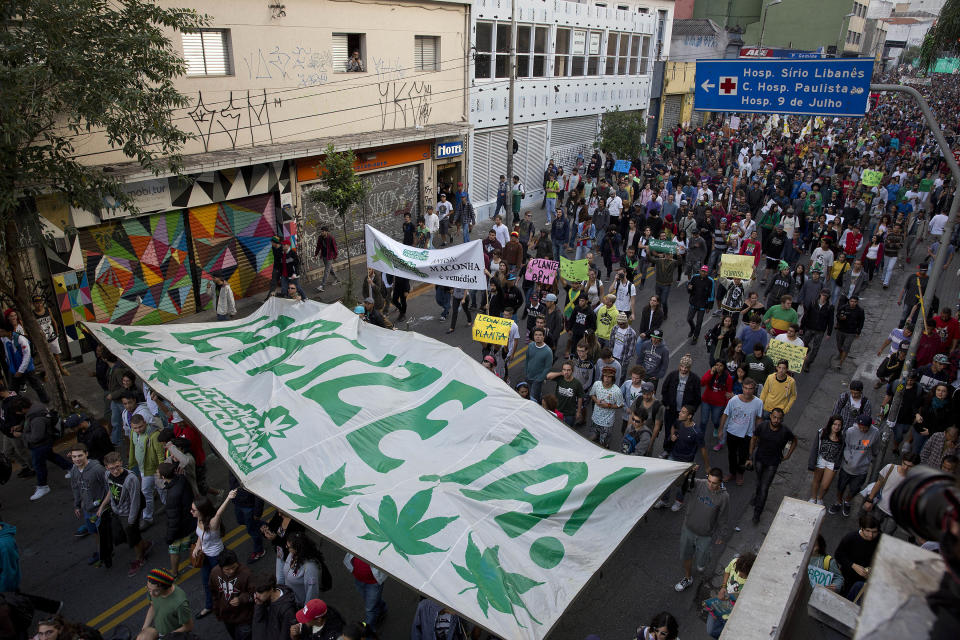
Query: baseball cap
[[656, 333], [704, 268], [311, 611], [550, 297], [74, 419], [646, 387], [368, 299], [941, 358], [490, 359], [864, 419]]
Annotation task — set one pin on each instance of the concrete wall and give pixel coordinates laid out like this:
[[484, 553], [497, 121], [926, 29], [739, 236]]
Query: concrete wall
[[283, 86], [729, 13], [806, 24]]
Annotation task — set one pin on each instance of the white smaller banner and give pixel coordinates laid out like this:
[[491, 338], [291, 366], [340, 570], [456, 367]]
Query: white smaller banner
[[460, 266]]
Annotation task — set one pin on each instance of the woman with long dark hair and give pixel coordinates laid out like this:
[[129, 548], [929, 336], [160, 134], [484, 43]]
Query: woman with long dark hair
[[825, 458], [301, 570], [209, 541]]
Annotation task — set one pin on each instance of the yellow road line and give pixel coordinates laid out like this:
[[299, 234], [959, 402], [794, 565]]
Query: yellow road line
[[126, 601]]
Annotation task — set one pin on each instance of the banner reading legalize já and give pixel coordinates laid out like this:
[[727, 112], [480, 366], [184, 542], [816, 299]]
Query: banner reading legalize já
[[405, 451], [460, 266]]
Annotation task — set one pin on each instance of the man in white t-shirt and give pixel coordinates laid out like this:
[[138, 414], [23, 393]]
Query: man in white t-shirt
[[614, 207], [625, 291], [740, 417], [791, 336], [432, 222], [503, 233], [444, 209], [937, 223], [891, 477]]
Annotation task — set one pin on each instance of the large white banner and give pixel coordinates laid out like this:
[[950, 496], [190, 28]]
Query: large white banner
[[459, 266], [405, 451]]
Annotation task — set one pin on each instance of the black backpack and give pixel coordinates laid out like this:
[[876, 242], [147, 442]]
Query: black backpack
[[54, 424]]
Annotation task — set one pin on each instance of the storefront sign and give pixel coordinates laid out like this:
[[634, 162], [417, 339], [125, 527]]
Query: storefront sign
[[308, 169], [449, 149], [149, 195]]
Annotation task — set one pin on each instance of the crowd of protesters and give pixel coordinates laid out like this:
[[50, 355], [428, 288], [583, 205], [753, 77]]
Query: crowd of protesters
[[790, 193]]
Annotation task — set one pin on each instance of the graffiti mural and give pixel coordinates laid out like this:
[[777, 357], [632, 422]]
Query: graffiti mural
[[305, 66], [244, 118], [139, 269], [404, 104], [390, 194], [232, 240], [72, 291]]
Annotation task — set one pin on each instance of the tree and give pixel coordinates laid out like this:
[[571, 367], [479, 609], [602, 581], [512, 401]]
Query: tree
[[944, 35], [622, 132], [342, 190], [71, 69]]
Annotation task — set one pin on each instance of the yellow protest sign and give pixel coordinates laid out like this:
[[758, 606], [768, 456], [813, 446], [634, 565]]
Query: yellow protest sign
[[871, 178], [491, 329], [736, 266], [574, 270], [779, 350]]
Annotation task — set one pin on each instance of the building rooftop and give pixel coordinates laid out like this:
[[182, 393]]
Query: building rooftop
[[696, 27]]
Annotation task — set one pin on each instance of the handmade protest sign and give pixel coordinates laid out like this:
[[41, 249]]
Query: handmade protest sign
[[574, 270], [542, 270], [404, 451], [491, 329], [460, 266], [662, 246], [736, 266], [780, 350], [871, 178]]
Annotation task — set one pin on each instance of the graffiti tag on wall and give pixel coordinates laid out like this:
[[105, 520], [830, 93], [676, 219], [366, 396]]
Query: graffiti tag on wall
[[390, 194], [307, 67], [404, 104], [239, 115]]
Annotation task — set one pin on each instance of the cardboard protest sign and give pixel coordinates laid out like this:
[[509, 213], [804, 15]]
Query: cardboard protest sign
[[574, 270], [542, 270], [736, 266]]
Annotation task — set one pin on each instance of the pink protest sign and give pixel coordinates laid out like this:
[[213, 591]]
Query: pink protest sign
[[542, 270]]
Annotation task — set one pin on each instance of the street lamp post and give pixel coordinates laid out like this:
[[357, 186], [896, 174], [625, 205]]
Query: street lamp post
[[843, 32], [763, 20]]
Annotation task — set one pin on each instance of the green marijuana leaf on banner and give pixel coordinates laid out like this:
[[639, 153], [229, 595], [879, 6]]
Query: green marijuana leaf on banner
[[174, 370], [389, 258], [274, 422], [134, 340], [329, 494], [495, 587], [405, 531]]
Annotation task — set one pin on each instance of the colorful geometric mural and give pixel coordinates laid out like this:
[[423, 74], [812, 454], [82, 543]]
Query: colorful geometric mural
[[73, 300], [232, 240], [139, 269]]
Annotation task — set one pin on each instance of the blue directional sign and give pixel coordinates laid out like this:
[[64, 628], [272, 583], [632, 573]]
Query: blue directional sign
[[622, 166], [827, 87]]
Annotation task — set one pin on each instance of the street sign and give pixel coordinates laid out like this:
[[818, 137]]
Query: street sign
[[828, 87], [766, 52]]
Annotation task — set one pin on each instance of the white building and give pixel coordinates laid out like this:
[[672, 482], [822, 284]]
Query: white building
[[574, 61]]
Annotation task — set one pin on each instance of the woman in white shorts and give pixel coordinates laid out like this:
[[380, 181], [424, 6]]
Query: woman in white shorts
[[825, 458]]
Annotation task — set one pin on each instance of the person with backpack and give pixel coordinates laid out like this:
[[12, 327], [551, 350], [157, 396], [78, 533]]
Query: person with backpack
[[19, 357], [13, 448], [638, 439], [37, 425], [179, 508]]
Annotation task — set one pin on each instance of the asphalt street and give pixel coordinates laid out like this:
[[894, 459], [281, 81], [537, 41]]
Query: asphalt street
[[635, 582]]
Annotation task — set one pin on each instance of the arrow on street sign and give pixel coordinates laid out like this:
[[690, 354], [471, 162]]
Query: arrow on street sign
[[707, 85]]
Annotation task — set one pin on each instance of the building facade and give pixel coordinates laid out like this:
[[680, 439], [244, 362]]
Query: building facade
[[269, 89], [836, 25], [574, 61]]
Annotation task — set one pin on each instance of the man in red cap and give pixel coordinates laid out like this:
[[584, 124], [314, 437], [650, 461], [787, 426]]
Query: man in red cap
[[317, 621]]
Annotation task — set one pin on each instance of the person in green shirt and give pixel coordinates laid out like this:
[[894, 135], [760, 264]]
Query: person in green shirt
[[607, 314], [518, 194], [552, 187], [169, 609]]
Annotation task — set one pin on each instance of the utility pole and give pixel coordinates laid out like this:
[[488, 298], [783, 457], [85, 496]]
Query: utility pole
[[513, 79]]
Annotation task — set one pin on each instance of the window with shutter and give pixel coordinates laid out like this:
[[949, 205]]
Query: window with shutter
[[207, 52], [426, 53], [342, 46]]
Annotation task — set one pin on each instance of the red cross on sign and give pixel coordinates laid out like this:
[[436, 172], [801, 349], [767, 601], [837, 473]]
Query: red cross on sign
[[728, 85]]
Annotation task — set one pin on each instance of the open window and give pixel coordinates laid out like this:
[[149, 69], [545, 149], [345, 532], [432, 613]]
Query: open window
[[344, 48]]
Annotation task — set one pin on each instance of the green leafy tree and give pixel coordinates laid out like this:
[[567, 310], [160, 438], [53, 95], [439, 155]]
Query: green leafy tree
[[406, 530], [73, 68], [342, 190], [944, 35], [622, 132]]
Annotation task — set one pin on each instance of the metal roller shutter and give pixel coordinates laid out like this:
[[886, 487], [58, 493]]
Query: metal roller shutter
[[339, 51], [534, 156], [672, 105], [232, 240], [567, 131]]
